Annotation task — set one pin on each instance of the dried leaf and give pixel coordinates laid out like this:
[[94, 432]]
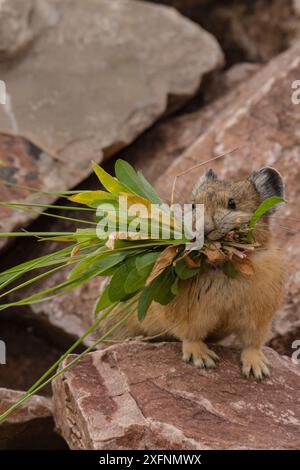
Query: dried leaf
[[214, 255], [164, 260], [243, 246], [75, 251]]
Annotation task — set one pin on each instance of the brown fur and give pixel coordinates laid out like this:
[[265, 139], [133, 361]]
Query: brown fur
[[212, 305]]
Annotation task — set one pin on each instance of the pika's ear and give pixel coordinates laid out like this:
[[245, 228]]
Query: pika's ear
[[209, 175], [268, 182]]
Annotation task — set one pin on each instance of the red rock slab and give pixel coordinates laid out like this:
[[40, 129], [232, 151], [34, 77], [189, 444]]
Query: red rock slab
[[143, 396]]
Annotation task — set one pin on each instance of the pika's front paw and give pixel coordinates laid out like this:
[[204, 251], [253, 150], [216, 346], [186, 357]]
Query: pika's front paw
[[199, 353], [254, 362]]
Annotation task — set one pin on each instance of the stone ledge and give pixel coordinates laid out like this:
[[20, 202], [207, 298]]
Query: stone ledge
[[142, 396]]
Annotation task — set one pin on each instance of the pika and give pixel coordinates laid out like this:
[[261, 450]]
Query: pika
[[212, 306]]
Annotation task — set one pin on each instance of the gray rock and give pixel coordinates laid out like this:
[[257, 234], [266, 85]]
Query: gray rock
[[15, 29], [254, 31], [100, 74], [21, 21]]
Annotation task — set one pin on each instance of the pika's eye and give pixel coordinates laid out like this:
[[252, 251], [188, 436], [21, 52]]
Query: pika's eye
[[231, 203]]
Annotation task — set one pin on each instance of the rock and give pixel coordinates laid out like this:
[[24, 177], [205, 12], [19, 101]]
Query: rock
[[128, 80], [262, 122], [254, 31], [296, 6], [117, 81], [143, 396], [160, 146], [29, 427], [18, 26], [224, 81], [286, 325], [23, 165], [182, 5], [28, 359]]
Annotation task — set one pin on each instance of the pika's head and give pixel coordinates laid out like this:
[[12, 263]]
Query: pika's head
[[229, 205]]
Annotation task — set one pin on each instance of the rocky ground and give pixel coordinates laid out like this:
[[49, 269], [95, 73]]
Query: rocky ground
[[165, 87], [113, 400]]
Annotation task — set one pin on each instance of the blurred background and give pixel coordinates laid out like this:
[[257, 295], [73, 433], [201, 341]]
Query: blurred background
[[162, 84]]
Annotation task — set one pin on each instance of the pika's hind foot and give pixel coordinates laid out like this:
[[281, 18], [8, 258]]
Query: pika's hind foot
[[254, 362], [199, 353]]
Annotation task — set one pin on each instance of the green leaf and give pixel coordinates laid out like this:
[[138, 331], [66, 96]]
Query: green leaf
[[134, 281], [164, 294], [110, 184], [184, 272], [111, 260], [145, 262], [116, 289], [93, 198], [104, 301], [110, 271], [146, 297], [86, 235], [139, 272], [128, 176], [263, 208], [135, 181], [98, 263], [159, 290], [149, 190]]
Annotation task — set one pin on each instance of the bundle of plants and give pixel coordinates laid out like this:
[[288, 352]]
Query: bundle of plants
[[141, 244]]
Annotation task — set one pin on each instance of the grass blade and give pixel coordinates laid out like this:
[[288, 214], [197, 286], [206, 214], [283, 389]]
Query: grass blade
[[46, 206], [47, 377]]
